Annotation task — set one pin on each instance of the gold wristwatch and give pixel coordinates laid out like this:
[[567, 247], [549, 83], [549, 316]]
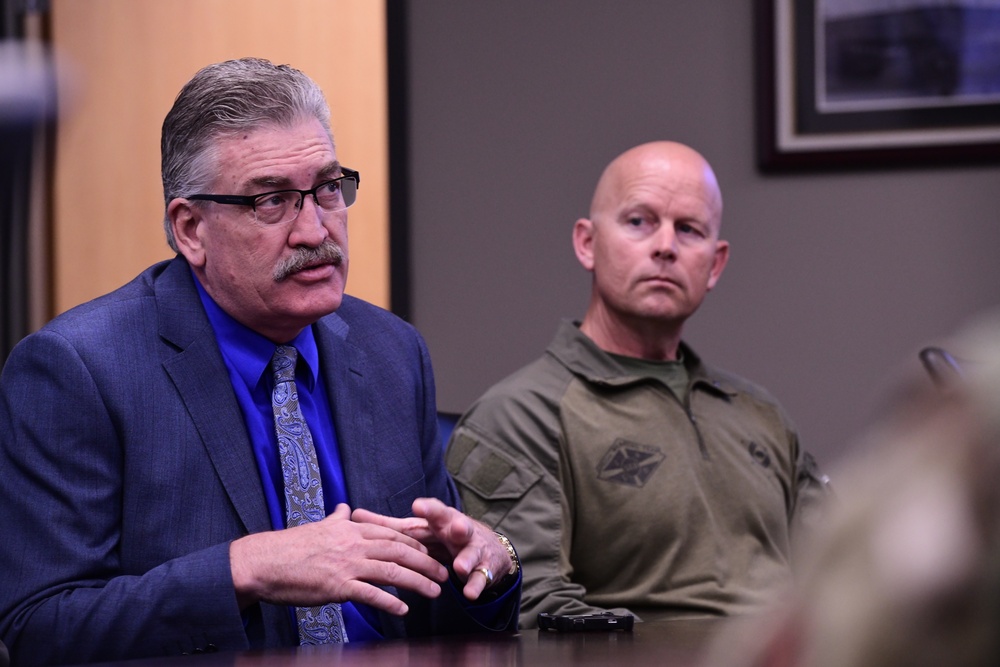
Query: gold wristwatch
[[515, 564]]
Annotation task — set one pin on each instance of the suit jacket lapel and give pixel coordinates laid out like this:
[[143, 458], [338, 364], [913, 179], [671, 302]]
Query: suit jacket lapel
[[202, 380], [343, 366]]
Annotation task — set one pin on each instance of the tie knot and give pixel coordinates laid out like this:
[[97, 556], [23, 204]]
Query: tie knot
[[283, 363]]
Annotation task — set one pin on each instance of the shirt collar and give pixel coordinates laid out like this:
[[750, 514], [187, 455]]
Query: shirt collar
[[248, 351]]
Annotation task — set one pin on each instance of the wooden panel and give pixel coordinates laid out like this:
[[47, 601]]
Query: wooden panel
[[123, 63]]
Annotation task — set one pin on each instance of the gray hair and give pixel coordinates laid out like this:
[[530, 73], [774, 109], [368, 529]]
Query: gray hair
[[221, 100]]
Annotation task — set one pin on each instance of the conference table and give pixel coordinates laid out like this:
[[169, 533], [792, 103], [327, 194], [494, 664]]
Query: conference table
[[675, 643]]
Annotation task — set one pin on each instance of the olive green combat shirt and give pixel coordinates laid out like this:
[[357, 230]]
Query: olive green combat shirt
[[620, 496]]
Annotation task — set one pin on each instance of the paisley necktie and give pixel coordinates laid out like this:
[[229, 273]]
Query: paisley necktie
[[303, 488]]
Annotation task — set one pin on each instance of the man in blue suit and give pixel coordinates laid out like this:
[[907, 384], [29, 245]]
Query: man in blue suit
[[142, 477]]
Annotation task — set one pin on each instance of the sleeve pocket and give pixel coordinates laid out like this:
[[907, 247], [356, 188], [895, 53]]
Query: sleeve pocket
[[490, 480]]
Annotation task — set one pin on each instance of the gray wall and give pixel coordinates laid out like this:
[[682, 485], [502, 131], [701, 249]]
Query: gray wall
[[835, 280]]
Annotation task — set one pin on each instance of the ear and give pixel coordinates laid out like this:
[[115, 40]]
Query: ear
[[718, 262], [186, 221], [583, 242]]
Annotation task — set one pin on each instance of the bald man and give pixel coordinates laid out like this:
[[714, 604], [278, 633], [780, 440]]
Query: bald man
[[632, 476]]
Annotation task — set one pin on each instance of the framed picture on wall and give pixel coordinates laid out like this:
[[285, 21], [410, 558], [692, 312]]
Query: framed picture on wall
[[856, 83]]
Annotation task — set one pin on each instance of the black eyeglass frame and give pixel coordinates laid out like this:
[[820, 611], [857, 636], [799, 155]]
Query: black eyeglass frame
[[251, 200]]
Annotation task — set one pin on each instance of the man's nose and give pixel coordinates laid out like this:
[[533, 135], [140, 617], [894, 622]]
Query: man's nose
[[665, 241], [309, 226]]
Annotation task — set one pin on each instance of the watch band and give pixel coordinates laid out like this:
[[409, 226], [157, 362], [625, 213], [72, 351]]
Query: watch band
[[515, 564]]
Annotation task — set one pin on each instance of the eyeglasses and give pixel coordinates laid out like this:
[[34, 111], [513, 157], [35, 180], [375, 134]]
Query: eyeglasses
[[274, 208]]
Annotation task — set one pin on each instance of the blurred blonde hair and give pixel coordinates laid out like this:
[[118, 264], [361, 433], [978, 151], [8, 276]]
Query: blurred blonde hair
[[906, 568]]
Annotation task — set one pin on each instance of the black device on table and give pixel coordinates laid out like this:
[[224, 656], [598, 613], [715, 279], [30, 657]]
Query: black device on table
[[585, 622]]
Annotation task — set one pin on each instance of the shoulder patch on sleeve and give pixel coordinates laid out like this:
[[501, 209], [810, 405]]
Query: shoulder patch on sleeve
[[490, 480], [458, 450]]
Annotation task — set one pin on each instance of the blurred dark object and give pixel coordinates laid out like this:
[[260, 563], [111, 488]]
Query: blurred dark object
[[27, 115], [941, 366]]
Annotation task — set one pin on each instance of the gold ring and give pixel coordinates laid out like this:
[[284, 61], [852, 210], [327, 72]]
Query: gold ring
[[486, 573]]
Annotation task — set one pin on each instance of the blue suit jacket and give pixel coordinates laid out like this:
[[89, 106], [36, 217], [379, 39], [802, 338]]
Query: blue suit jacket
[[126, 470]]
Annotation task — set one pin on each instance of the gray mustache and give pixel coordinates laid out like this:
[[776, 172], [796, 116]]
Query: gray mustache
[[328, 252]]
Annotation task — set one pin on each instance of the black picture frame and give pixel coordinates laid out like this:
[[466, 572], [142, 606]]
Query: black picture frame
[[877, 122]]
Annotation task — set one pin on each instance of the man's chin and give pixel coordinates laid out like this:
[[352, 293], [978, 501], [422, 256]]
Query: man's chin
[[320, 297], [666, 310], [309, 313]]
